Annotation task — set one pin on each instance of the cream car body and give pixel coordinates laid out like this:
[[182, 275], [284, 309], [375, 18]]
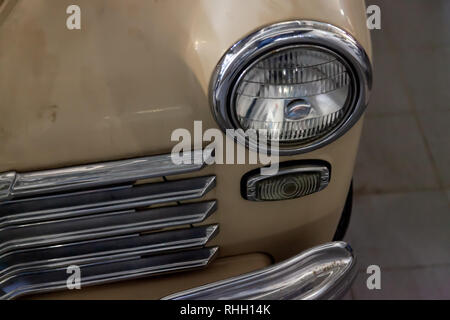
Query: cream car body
[[136, 71]]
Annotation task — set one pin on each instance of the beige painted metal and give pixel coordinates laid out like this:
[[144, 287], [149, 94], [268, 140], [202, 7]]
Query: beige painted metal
[[284, 228], [140, 69], [136, 71]]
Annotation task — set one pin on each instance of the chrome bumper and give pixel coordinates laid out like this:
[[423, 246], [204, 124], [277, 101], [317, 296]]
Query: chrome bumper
[[323, 272]]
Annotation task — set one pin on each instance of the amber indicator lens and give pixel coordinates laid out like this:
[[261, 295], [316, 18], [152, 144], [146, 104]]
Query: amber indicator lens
[[289, 183], [288, 186]]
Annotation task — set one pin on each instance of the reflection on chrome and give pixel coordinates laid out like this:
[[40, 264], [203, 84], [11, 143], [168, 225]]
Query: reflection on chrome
[[323, 272], [94, 175]]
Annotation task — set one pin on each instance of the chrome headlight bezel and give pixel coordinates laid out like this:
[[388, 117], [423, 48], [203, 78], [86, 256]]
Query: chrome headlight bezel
[[245, 53]]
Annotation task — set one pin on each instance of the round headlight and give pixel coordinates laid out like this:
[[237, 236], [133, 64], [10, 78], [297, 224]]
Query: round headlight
[[301, 83]]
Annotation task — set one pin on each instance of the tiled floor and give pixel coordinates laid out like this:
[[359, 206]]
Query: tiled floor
[[401, 215]]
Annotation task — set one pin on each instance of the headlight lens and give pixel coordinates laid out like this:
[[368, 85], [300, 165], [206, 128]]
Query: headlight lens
[[300, 83], [295, 94]]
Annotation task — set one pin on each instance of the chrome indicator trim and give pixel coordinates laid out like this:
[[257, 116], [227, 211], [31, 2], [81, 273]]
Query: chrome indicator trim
[[323, 272], [14, 184], [101, 273]]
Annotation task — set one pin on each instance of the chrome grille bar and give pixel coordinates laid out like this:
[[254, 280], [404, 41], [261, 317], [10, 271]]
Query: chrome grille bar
[[134, 267], [100, 201], [98, 218], [14, 184], [104, 250], [105, 225]]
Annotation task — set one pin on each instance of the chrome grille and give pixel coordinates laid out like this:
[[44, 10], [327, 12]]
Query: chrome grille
[[112, 230]]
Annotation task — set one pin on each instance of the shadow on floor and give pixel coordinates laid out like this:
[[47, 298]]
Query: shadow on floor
[[401, 215]]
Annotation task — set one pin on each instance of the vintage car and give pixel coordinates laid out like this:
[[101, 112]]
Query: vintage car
[[92, 203]]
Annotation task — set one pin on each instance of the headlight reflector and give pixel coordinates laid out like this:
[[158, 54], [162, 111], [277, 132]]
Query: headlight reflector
[[294, 93]]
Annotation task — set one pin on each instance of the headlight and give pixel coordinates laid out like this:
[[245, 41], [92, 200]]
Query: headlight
[[295, 94], [305, 83]]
